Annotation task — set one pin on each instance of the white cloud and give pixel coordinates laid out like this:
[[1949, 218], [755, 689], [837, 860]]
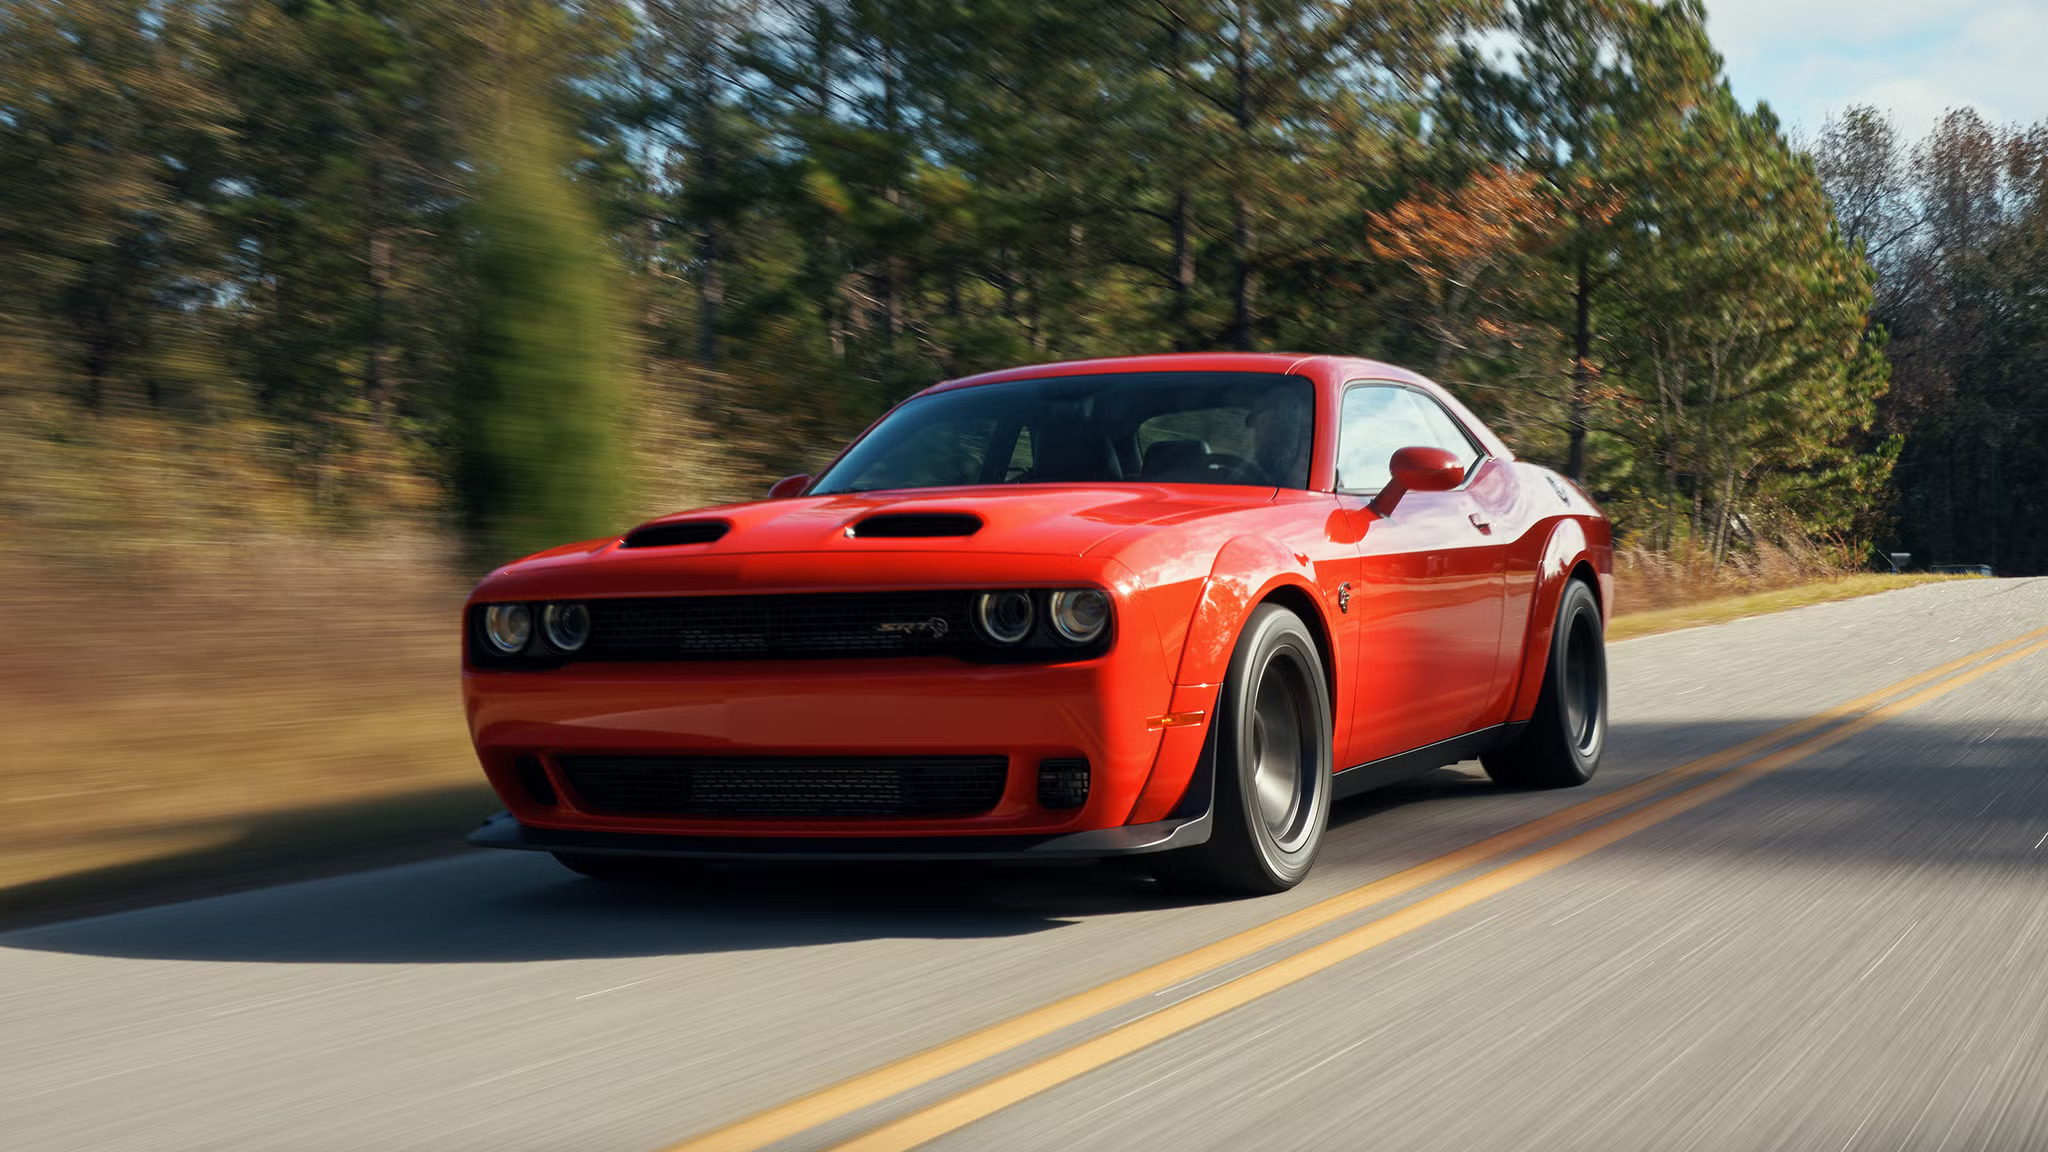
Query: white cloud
[[1812, 58]]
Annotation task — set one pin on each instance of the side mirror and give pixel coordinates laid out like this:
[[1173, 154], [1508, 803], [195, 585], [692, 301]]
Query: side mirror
[[1419, 469], [789, 486]]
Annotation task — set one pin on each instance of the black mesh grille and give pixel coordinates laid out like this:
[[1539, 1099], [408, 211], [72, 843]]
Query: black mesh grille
[[1063, 783], [815, 625], [787, 785]]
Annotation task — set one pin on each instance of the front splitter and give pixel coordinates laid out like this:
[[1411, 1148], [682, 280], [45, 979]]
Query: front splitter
[[503, 831]]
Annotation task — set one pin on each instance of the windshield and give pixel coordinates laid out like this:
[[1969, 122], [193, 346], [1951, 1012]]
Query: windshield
[[1151, 427]]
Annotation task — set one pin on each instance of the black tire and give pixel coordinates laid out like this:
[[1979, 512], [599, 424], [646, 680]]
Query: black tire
[[1273, 762], [1561, 746], [624, 869]]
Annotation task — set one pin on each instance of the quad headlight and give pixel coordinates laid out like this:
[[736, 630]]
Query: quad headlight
[[1079, 614], [1009, 619], [508, 627]]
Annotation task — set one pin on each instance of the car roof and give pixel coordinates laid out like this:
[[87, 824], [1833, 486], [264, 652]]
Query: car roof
[[1274, 363]]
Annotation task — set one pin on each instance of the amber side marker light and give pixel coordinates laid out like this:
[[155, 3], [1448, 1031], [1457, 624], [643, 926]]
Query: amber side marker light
[[1175, 720]]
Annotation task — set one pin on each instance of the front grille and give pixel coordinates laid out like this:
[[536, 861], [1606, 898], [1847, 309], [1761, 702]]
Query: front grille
[[787, 785], [802, 626]]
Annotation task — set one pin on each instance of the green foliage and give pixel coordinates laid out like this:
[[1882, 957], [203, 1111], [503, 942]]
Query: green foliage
[[1957, 226], [443, 238], [539, 457]]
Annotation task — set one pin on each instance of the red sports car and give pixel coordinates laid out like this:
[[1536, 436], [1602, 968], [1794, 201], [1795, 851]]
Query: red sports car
[[1157, 604]]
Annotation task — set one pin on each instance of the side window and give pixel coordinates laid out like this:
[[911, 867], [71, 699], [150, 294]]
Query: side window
[[1378, 420], [1445, 432], [1218, 430], [1020, 457]]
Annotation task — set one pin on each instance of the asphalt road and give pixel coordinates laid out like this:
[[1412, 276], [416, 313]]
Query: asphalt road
[[1843, 945]]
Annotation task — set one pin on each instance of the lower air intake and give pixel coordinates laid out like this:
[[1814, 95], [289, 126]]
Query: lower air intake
[[865, 786], [1062, 783]]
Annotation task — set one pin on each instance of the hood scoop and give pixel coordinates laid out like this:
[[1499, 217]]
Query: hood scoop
[[679, 532], [914, 526]]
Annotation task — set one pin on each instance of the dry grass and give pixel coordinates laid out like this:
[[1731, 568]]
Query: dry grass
[[181, 713], [1645, 580]]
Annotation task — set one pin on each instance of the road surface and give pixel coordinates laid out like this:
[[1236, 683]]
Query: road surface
[[1833, 937]]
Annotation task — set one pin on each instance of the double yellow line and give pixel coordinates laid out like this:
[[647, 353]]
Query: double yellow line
[[1793, 742]]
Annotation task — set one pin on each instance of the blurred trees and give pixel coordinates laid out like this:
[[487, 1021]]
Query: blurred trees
[[1957, 226], [321, 214]]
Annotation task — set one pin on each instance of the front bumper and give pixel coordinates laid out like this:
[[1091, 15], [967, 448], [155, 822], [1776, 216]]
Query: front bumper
[[503, 831]]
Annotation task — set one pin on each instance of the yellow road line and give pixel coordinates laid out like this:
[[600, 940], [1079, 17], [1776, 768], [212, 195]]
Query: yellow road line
[[872, 1087], [993, 1096]]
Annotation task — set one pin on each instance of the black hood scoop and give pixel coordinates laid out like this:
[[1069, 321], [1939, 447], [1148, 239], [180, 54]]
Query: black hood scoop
[[679, 532], [915, 526]]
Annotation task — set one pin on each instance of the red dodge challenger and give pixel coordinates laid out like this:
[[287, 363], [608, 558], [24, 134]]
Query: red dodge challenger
[[1161, 604]]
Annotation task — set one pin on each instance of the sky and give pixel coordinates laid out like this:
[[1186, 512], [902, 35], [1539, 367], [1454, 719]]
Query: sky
[[1912, 58]]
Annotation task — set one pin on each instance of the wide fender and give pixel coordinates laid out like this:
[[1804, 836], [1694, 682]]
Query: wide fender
[[1567, 547], [1248, 569]]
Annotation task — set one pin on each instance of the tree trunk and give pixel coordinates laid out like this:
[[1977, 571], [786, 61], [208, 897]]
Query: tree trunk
[[1582, 372], [1244, 280], [1182, 310]]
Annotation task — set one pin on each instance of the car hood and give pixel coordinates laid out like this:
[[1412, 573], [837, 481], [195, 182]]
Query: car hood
[[1045, 520], [1036, 519]]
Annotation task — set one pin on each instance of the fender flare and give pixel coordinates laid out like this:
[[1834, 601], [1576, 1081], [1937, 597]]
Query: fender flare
[[1179, 783], [1228, 597], [1567, 549]]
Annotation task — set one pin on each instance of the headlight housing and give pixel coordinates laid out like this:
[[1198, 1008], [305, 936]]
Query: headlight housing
[[1005, 617], [567, 626], [1079, 615], [508, 627], [1041, 623]]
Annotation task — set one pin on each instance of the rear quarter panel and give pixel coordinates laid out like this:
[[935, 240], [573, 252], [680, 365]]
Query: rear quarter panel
[[1568, 534]]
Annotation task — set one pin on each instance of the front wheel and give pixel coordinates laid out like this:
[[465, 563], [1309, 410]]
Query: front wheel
[[1273, 761], [1561, 746]]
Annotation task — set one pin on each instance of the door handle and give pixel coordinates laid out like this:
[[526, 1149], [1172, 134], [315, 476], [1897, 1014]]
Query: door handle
[[1480, 522]]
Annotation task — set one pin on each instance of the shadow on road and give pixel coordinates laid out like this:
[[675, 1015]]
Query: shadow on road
[[1928, 794]]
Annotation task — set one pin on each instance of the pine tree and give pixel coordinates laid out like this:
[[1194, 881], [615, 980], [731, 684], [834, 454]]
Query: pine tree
[[542, 388]]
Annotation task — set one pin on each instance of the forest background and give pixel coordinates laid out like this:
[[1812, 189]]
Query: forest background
[[312, 310]]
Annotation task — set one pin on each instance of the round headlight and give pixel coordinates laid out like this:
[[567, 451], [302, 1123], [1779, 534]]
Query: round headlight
[[567, 626], [1004, 617], [508, 626], [1079, 614]]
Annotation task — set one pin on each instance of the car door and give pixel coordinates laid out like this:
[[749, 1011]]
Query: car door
[[1430, 578]]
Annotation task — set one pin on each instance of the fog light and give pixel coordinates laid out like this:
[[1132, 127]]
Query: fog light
[[1079, 614], [1004, 617], [1062, 783], [508, 626], [567, 626]]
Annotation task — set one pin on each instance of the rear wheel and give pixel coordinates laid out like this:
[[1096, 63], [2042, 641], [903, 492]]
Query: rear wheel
[[1273, 762], [1561, 746]]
